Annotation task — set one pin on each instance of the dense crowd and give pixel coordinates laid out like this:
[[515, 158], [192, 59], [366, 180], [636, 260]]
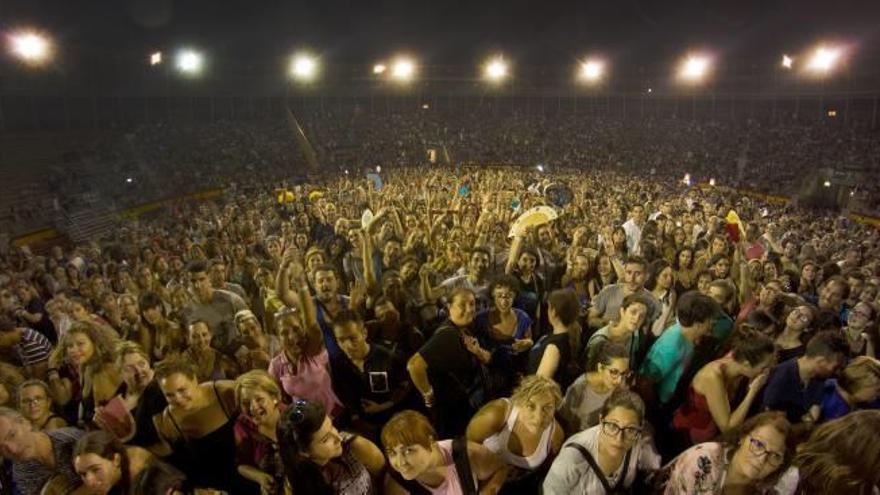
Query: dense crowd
[[166, 160], [451, 331]]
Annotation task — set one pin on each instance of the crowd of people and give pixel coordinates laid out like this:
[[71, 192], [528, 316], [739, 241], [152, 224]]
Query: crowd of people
[[165, 159], [442, 332]]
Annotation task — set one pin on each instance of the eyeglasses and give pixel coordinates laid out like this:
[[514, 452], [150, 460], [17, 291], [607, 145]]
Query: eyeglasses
[[616, 373], [613, 429], [33, 400], [760, 449]]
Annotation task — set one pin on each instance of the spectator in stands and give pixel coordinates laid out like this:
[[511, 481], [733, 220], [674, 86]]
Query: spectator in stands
[[215, 307], [607, 370], [35, 404]]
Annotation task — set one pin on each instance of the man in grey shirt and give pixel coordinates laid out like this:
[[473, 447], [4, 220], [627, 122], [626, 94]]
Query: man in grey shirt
[[215, 307], [606, 304]]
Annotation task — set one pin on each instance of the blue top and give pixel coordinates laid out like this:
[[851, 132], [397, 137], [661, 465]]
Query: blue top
[[833, 405], [785, 392], [325, 321], [667, 360]]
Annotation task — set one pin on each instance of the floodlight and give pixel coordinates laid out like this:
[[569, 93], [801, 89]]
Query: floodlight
[[379, 69], [824, 59], [189, 62], [304, 67], [403, 69], [496, 69], [694, 68], [787, 62], [31, 47], [827, 183], [592, 70], [156, 58]]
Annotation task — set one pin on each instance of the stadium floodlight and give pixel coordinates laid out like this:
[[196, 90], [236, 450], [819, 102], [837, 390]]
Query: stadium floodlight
[[495, 69], [304, 67], [129, 180], [31, 47], [824, 59], [190, 62], [827, 183], [694, 68], [592, 70], [403, 69], [379, 69], [155, 58], [787, 62]]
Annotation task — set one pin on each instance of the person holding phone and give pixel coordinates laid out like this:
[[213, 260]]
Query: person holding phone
[[369, 377]]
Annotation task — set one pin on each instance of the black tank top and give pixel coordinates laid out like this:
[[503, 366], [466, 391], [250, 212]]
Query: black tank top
[[209, 461]]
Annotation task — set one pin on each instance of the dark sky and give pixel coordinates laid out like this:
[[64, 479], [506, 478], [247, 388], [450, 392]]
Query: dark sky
[[454, 32]]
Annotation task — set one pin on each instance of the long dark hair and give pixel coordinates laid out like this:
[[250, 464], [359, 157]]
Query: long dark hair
[[295, 430], [105, 445]]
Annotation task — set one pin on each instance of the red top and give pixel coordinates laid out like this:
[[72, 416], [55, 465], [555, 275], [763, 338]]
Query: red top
[[694, 417]]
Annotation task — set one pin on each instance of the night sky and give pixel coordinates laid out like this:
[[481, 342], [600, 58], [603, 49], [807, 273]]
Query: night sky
[[454, 32]]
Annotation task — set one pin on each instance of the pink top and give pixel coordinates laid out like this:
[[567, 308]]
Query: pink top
[[451, 485], [309, 379]]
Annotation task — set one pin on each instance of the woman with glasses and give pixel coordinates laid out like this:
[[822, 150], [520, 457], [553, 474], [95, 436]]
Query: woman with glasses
[[256, 440], [607, 457], [585, 397], [709, 408], [522, 431], [35, 405], [303, 365], [747, 460], [860, 330], [320, 460], [792, 341]]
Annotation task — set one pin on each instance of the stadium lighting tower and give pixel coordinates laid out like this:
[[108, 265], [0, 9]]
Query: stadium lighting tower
[[190, 62], [495, 69], [824, 59], [403, 69], [31, 47], [787, 62], [592, 70], [694, 68], [304, 67]]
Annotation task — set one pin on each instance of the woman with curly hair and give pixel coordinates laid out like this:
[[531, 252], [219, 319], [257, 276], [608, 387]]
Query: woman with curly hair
[[83, 372]]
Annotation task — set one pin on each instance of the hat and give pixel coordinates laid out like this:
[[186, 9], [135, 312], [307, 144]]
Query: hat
[[244, 315], [313, 251]]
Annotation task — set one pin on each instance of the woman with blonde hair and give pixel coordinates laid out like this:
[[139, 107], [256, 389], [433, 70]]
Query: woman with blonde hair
[[858, 383], [83, 372], [256, 439], [522, 431]]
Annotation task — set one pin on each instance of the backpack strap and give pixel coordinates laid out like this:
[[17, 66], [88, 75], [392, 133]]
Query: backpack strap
[[463, 466], [598, 471]]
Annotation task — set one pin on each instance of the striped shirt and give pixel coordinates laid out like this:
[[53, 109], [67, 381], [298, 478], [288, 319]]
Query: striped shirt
[[30, 476], [33, 348]]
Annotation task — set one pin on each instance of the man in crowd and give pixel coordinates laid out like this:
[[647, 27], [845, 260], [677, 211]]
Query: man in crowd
[[216, 307]]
